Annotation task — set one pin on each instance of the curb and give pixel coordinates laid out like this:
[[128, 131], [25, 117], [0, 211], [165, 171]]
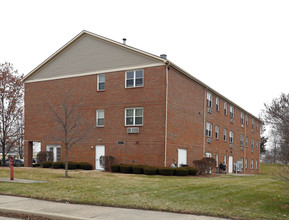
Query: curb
[[42, 214]]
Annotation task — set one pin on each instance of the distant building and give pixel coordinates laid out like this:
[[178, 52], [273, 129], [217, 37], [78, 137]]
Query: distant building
[[146, 109]]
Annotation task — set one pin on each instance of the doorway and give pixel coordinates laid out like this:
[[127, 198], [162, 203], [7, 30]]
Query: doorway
[[99, 151]]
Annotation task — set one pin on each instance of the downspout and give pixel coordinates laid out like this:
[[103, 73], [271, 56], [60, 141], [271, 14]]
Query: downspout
[[245, 148], [166, 122], [204, 137]]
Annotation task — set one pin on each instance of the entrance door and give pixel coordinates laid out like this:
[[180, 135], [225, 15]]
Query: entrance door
[[230, 164], [182, 157], [99, 151]]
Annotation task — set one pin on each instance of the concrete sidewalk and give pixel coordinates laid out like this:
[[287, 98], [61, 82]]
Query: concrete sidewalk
[[57, 210]]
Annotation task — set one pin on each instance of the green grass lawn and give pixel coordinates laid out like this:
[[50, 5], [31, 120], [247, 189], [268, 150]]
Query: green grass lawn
[[263, 196]]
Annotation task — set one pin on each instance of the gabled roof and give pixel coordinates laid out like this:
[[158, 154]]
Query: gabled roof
[[158, 61]]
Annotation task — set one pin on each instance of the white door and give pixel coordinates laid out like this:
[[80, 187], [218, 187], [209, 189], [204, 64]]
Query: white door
[[56, 152], [99, 151], [230, 164], [182, 157]]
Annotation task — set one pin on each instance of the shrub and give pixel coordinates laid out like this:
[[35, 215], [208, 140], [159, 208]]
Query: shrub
[[210, 163], [47, 164], [192, 171], [36, 165], [72, 165], [58, 165], [43, 156], [166, 171], [150, 170], [115, 168], [137, 169], [181, 171], [106, 162], [126, 168], [204, 165], [84, 166]]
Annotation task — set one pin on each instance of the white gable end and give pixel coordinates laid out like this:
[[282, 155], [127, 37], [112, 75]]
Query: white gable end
[[90, 55]]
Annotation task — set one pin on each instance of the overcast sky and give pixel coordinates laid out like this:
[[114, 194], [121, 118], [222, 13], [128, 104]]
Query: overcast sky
[[239, 48]]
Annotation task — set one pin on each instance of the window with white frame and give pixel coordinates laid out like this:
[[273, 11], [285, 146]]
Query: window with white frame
[[252, 145], [242, 118], [225, 159], [252, 164], [246, 120], [246, 141], [134, 78], [246, 161], [217, 132], [231, 137], [256, 164], [225, 108], [217, 160], [225, 134], [242, 160], [133, 116], [257, 145], [242, 140], [217, 104], [100, 118], [209, 129], [252, 123], [231, 112], [55, 153], [209, 99], [257, 125], [101, 82]]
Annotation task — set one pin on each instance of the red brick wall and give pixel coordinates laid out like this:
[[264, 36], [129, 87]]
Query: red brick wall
[[147, 147]]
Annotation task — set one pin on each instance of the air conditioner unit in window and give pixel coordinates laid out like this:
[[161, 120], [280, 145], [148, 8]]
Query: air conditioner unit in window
[[209, 140], [231, 145], [232, 120], [210, 110], [242, 125], [252, 130], [242, 148], [133, 130]]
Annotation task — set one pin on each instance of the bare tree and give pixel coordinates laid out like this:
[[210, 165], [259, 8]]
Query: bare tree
[[70, 127], [277, 116], [11, 107]]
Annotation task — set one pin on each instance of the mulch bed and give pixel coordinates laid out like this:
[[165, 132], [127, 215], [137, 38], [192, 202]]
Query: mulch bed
[[23, 216]]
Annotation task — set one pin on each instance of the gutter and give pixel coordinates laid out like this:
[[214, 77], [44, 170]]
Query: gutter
[[166, 123]]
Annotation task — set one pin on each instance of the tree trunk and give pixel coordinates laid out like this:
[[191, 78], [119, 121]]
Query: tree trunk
[[66, 161]]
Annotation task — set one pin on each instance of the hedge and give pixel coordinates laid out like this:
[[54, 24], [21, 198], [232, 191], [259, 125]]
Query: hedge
[[72, 165], [150, 170], [166, 171], [192, 171], [58, 165], [125, 168], [115, 168], [137, 169], [47, 164], [84, 166]]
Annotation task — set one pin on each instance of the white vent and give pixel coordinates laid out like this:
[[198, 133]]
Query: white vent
[[232, 120], [231, 145], [209, 140], [210, 110], [133, 130], [242, 125]]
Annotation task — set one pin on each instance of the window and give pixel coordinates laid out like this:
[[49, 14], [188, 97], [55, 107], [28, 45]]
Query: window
[[55, 154], [252, 145], [101, 82], [100, 118], [231, 137], [217, 132], [242, 160], [217, 104], [252, 123], [257, 145], [252, 164], [242, 140], [231, 111], [225, 134], [134, 78], [246, 163], [246, 141], [256, 164], [209, 99], [225, 160], [134, 116], [246, 120], [242, 118], [225, 108], [217, 160], [209, 129]]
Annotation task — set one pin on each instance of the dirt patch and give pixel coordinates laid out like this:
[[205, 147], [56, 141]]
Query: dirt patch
[[23, 216]]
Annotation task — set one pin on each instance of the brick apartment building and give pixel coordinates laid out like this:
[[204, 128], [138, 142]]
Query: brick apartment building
[[145, 109]]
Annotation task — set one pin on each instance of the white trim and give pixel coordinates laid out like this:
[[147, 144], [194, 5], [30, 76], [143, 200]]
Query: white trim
[[98, 81], [95, 72], [134, 108]]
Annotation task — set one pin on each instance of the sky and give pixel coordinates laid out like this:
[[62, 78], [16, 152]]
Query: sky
[[239, 48]]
